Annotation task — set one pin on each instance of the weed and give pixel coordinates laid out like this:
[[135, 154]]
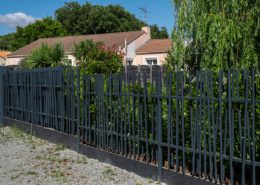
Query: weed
[[33, 146], [150, 180], [109, 173], [59, 147], [81, 160], [31, 173], [17, 132], [158, 181], [14, 177], [59, 175], [38, 157]]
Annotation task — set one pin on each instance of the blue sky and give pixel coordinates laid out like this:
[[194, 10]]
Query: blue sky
[[22, 12]]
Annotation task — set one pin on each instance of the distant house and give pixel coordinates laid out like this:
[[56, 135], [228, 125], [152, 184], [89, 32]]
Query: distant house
[[3, 57], [131, 43], [153, 52]]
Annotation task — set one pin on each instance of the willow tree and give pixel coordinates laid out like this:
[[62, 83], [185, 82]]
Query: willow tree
[[215, 35], [220, 34]]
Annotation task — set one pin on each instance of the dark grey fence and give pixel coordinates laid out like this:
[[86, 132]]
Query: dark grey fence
[[2, 71], [150, 71], [206, 125]]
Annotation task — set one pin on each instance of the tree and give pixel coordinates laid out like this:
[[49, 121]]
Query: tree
[[93, 19], [83, 51], [220, 35], [45, 56], [44, 28], [216, 35], [159, 33], [57, 56], [71, 17], [7, 42], [96, 58]]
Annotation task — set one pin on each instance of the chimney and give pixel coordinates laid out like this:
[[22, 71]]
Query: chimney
[[147, 30]]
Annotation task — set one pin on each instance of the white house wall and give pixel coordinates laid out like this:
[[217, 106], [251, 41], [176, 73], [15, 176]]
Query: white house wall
[[141, 58], [16, 61], [13, 61], [131, 51], [133, 46]]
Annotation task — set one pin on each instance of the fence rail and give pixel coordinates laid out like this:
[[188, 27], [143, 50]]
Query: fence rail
[[205, 125]]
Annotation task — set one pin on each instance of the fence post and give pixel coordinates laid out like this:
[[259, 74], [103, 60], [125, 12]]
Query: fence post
[[2, 69], [78, 109], [159, 123]]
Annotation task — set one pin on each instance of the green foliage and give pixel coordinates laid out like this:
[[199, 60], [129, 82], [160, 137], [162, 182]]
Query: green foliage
[[59, 147], [7, 42], [84, 50], [39, 58], [92, 19], [44, 28], [96, 58], [45, 56], [158, 33], [216, 35], [57, 55]]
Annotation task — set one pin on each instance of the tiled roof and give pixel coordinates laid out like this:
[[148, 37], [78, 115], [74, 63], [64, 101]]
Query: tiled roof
[[3, 54], [155, 46], [68, 42]]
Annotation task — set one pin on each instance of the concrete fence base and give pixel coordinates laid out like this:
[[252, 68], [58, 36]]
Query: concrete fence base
[[140, 168]]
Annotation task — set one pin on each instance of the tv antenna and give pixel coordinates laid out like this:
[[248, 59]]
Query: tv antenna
[[145, 12]]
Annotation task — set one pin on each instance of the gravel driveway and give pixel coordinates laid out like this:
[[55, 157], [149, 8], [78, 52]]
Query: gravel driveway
[[26, 160]]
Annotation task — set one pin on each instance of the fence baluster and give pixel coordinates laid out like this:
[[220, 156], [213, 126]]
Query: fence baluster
[[126, 115], [169, 115], [159, 124], [177, 121], [253, 127], [78, 110], [230, 128], [182, 123]]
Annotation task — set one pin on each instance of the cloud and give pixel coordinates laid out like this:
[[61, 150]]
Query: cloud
[[16, 19]]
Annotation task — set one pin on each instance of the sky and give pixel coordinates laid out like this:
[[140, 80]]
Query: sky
[[22, 12]]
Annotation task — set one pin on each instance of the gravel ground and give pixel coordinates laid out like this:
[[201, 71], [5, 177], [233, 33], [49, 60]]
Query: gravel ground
[[26, 160]]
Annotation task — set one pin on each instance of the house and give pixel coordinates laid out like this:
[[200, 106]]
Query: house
[[153, 52], [131, 43], [3, 56]]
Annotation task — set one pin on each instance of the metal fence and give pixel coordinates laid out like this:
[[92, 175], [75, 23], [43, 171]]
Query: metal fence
[[2, 71], [206, 125], [150, 71]]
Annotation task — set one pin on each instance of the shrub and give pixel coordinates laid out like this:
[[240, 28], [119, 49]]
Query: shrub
[[96, 58], [45, 56]]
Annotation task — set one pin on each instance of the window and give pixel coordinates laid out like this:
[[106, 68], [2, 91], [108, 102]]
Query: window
[[151, 61], [129, 62]]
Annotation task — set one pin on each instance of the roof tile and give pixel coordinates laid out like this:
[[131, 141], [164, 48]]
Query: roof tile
[[68, 42], [4, 54], [156, 46]]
